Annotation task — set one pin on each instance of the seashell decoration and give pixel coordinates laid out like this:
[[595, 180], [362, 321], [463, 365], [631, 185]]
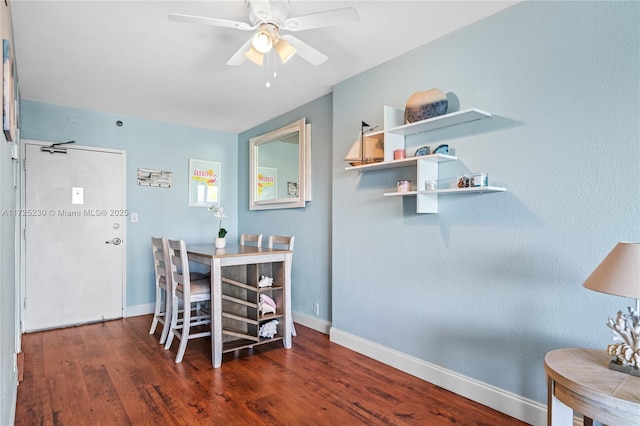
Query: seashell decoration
[[269, 329], [428, 104], [265, 281], [626, 330], [266, 305]]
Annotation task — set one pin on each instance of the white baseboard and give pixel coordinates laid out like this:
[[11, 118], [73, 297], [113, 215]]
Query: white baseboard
[[311, 322], [314, 323], [137, 310], [511, 404]]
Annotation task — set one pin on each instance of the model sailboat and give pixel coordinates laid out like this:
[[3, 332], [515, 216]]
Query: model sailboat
[[367, 149]]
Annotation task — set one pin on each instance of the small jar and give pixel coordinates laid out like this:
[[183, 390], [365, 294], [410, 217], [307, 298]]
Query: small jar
[[404, 185], [399, 154], [431, 185], [480, 179], [464, 181]]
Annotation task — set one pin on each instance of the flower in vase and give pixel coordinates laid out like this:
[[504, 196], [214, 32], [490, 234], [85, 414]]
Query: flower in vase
[[218, 212]]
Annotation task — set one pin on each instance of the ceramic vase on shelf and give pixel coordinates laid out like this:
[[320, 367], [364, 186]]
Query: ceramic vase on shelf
[[423, 105], [220, 242]]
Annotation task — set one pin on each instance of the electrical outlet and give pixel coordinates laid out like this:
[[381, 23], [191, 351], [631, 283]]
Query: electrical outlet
[[316, 309]]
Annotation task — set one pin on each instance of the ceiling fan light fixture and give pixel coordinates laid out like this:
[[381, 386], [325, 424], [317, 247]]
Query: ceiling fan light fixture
[[262, 41], [254, 56], [285, 50]]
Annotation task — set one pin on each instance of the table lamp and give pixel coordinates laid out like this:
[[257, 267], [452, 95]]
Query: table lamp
[[619, 274]]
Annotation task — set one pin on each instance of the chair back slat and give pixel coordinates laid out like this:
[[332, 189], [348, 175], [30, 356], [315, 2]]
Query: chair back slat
[[160, 259], [281, 241], [179, 266], [251, 238]]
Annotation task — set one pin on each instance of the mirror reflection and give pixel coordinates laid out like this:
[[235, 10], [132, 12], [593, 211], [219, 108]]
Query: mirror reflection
[[277, 168]]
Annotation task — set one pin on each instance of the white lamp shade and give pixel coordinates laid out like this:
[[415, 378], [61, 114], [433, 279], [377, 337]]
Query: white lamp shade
[[618, 273], [254, 56], [285, 50], [262, 42]]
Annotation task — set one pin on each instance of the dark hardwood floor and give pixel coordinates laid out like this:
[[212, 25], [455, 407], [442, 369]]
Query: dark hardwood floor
[[115, 373]]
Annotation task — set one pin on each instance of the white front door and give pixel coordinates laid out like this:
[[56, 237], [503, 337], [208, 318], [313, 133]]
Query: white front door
[[75, 218]]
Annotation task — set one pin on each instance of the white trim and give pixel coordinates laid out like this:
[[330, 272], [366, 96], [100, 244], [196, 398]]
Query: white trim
[[314, 323], [137, 310], [506, 402], [14, 397]]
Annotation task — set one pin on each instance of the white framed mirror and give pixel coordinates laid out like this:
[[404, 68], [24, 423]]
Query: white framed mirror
[[280, 168]]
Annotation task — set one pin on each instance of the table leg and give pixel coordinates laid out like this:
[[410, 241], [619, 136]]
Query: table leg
[[288, 320], [216, 312], [558, 414]]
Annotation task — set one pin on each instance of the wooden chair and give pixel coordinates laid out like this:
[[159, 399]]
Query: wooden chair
[[251, 238], [190, 293], [162, 312], [279, 241]]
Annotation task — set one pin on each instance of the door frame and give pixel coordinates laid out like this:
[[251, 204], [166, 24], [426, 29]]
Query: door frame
[[23, 191]]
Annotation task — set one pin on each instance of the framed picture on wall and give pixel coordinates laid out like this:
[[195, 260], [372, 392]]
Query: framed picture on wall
[[204, 183]]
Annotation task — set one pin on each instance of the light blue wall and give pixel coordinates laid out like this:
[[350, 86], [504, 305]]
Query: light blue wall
[[491, 283], [155, 145], [311, 270]]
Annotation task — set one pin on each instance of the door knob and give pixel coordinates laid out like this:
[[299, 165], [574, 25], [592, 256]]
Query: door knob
[[116, 241]]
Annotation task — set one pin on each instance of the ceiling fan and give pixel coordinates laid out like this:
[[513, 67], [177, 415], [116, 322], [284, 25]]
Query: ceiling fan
[[268, 18]]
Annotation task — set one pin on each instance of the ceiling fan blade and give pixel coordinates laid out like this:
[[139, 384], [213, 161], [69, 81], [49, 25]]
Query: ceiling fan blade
[[239, 58], [211, 21], [330, 18], [261, 9], [306, 52]]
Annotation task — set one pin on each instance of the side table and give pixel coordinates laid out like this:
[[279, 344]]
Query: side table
[[580, 379]]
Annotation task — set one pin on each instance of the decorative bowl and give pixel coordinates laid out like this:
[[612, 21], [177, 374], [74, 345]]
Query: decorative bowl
[[427, 104]]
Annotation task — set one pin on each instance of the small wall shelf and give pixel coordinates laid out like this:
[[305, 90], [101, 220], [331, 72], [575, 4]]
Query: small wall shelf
[[405, 162], [452, 119], [448, 191], [427, 166]]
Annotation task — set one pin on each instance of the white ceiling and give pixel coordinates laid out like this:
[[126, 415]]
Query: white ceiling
[[126, 57]]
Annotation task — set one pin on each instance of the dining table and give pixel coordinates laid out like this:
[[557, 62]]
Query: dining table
[[236, 286]]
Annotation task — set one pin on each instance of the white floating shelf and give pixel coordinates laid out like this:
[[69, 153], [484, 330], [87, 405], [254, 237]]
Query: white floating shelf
[[452, 119], [476, 189], [405, 162], [448, 191]]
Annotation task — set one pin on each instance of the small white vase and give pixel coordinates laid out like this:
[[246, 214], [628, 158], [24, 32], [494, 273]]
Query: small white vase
[[221, 242]]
